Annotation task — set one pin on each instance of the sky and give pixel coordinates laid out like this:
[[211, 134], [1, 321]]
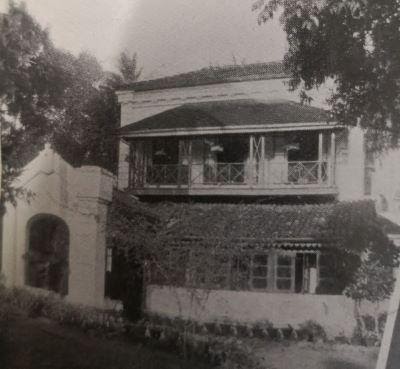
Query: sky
[[169, 36]]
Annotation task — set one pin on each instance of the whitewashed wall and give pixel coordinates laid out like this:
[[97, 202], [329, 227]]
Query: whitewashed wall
[[334, 312], [80, 197], [350, 160], [386, 182]]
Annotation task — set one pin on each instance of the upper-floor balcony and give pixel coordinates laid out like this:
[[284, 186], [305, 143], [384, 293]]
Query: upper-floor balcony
[[231, 147], [293, 163]]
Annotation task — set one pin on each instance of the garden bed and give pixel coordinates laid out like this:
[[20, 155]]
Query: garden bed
[[40, 343]]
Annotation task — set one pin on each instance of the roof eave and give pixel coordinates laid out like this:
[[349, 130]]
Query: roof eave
[[284, 127]]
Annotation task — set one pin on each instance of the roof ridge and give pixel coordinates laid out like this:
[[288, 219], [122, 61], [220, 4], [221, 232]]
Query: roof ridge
[[213, 75]]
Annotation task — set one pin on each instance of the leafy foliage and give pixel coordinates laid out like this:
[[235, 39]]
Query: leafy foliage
[[49, 95], [158, 235], [373, 281], [128, 67], [53, 307], [86, 130], [365, 257], [30, 88], [356, 43]]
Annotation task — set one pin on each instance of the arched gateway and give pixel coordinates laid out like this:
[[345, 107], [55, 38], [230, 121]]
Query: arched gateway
[[56, 241], [47, 256]]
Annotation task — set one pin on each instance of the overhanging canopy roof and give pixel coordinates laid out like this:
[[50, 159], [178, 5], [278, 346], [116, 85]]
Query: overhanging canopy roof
[[300, 225], [238, 221], [230, 116]]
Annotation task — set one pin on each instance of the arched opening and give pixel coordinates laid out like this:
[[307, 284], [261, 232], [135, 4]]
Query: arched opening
[[47, 254]]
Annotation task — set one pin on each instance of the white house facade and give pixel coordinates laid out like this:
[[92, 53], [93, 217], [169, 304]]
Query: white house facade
[[54, 239]]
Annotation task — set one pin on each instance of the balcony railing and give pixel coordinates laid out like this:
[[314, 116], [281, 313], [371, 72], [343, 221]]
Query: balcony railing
[[299, 173], [224, 173], [295, 173], [167, 174]]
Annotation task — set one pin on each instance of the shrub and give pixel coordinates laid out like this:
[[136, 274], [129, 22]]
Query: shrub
[[4, 319], [262, 329], [5, 315], [369, 330], [369, 322], [312, 331], [234, 354], [357, 337], [55, 308]]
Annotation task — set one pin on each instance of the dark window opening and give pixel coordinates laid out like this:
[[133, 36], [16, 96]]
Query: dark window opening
[[303, 159], [225, 158], [299, 276], [303, 146], [165, 151], [235, 149], [165, 168]]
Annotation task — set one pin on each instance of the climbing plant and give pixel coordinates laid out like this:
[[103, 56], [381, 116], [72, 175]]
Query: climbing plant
[[365, 255], [188, 244]]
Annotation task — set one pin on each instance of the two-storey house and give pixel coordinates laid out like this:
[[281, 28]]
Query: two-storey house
[[236, 134], [240, 133]]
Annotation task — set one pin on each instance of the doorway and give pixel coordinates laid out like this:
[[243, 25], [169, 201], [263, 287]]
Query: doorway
[[47, 256]]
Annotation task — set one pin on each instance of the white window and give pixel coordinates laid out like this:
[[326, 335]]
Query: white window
[[284, 272]]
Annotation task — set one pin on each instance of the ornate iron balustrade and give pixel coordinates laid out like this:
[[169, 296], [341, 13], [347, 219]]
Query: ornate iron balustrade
[[308, 172], [269, 175], [224, 173], [167, 174], [299, 173]]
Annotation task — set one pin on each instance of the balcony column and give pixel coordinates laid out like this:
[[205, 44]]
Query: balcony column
[[251, 172], [333, 159], [256, 159], [261, 179], [320, 153], [185, 159]]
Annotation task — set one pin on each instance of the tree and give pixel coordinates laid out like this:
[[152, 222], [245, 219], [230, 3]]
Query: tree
[[127, 65], [357, 44], [47, 94], [87, 133], [31, 88]]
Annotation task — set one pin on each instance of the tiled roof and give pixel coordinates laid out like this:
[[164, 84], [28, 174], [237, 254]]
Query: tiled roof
[[304, 225], [219, 114], [240, 221], [213, 75]]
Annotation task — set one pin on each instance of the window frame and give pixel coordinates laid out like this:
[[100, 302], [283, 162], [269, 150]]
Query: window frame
[[291, 267], [266, 266], [238, 272]]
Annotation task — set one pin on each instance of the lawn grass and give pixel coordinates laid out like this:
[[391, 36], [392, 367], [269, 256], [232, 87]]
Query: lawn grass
[[308, 355], [40, 343], [28, 342]]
